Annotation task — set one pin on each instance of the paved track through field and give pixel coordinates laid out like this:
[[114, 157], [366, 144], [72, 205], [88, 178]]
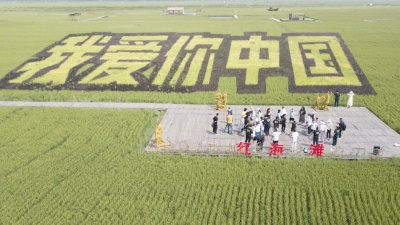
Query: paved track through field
[[188, 127]]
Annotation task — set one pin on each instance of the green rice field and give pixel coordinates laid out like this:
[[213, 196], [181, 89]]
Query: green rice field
[[83, 166]]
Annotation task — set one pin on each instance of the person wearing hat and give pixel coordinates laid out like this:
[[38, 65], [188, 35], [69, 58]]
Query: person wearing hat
[[230, 111], [350, 100]]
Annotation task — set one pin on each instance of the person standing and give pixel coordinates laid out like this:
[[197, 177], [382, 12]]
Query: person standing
[[350, 100], [322, 132], [267, 125], [283, 123], [335, 135], [229, 123], [257, 129], [314, 126], [302, 115], [252, 113], [275, 136], [329, 126], [308, 124], [249, 131], [293, 128], [258, 115], [337, 98], [268, 113], [283, 112], [276, 123], [342, 127], [292, 114], [314, 116], [242, 118], [315, 136], [215, 123], [295, 137], [249, 115]]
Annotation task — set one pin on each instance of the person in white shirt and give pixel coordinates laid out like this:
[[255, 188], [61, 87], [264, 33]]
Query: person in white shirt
[[259, 114], [308, 124], [295, 137], [292, 115], [242, 117], [275, 136], [257, 129], [314, 126], [329, 126], [283, 111], [314, 116], [350, 100], [252, 115], [322, 132]]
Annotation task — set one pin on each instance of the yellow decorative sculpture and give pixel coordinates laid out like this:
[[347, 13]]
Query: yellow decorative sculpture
[[218, 98], [322, 103], [159, 141], [317, 102]]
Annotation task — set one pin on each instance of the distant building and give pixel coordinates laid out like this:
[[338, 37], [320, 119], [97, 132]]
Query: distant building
[[176, 10], [297, 16]]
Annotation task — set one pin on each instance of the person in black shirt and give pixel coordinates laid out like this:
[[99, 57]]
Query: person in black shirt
[[283, 123], [315, 136], [293, 128], [215, 123], [260, 140], [268, 114], [337, 98], [267, 125], [276, 123], [302, 115], [341, 127], [249, 131], [335, 135]]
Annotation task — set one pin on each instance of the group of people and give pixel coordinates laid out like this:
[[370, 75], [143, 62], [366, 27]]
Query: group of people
[[256, 126]]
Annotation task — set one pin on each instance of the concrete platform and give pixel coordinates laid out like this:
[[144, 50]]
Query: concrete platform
[[189, 130]]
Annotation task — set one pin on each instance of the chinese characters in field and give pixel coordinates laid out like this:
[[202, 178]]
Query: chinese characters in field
[[189, 62]]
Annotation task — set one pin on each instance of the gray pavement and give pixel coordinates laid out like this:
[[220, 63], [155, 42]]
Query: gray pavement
[[188, 129]]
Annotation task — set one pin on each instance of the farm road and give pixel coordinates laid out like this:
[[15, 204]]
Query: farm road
[[189, 125]]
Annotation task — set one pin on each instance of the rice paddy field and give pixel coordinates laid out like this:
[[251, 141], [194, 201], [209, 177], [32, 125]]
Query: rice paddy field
[[87, 166]]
